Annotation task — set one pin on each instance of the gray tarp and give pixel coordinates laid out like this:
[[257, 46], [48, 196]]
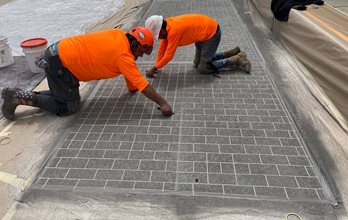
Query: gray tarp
[[318, 38]]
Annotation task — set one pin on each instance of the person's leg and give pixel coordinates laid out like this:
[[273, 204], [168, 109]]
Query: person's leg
[[63, 97], [44, 92], [220, 61], [218, 56], [197, 58], [14, 97], [64, 88], [226, 54], [208, 51], [240, 60]]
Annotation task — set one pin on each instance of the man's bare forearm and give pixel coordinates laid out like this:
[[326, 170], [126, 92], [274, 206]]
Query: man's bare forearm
[[151, 93]]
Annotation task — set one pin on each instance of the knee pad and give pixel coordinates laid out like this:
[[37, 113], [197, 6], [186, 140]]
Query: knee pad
[[206, 68], [203, 67], [197, 59], [68, 108]]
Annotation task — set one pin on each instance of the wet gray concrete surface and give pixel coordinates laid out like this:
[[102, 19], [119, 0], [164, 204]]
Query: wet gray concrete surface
[[230, 136], [232, 148]]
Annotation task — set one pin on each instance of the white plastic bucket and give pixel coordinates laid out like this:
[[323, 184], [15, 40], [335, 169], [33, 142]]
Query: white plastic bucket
[[34, 48], [6, 57]]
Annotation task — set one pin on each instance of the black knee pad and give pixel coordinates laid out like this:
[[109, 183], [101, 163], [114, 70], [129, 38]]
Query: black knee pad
[[68, 108], [206, 67]]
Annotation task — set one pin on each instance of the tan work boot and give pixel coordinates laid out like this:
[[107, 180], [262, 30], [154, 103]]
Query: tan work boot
[[232, 52], [244, 62], [241, 61]]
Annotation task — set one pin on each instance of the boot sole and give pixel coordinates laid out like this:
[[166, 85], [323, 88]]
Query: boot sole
[[246, 69], [5, 95], [3, 92]]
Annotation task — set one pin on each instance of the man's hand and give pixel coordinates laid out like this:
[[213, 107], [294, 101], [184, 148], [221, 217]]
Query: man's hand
[[166, 109], [151, 72], [151, 93]]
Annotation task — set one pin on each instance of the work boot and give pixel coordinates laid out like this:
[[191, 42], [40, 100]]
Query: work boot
[[232, 52], [197, 58], [242, 61], [14, 97], [9, 106]]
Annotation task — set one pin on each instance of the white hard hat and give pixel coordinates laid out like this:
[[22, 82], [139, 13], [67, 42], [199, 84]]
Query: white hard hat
[[154, 23]]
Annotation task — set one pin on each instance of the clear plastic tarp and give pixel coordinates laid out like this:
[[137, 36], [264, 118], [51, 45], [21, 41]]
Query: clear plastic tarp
[[318, 37], [51, 19]]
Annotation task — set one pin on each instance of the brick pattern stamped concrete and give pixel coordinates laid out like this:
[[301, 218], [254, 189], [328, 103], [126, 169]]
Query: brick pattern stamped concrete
[[229, 137]]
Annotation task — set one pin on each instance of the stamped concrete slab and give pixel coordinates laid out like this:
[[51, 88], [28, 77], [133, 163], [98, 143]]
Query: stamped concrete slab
[[230, 136]]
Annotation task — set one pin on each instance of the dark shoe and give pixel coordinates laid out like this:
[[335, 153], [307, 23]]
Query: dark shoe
[[9, 106], [300, 7], [318, 2], [44, 92]]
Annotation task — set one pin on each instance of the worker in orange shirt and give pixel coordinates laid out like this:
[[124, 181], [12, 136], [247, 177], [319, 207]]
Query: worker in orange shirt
[[187, 29], [86, 57]]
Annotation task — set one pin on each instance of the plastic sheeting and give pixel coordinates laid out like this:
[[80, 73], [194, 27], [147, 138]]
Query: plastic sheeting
[[318, 38], [51, 19]]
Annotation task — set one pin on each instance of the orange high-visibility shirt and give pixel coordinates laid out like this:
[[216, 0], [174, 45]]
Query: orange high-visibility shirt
[[101, 55], [184, 30]]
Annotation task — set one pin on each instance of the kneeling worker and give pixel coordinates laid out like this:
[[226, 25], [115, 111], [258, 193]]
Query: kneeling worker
[[187, 29], [87, 57]]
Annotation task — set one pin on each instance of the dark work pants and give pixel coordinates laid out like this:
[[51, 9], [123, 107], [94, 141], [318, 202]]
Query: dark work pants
[[63, 98], [208, 48]]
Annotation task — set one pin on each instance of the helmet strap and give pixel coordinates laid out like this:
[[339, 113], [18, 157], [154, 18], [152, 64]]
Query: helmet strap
[[134, 44]]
